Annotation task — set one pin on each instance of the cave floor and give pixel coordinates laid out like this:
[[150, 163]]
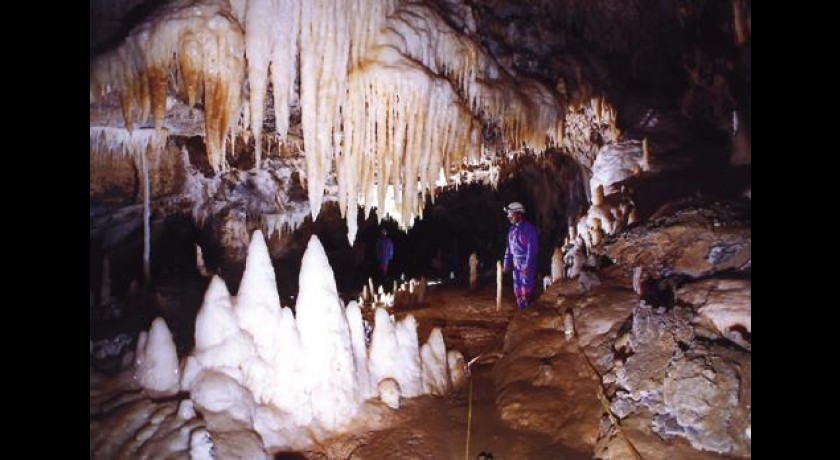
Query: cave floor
[[436, 427]]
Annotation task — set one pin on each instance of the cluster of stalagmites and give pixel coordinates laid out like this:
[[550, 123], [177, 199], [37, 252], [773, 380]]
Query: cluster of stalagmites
[[604, 218], [405, 294], [297, 377]]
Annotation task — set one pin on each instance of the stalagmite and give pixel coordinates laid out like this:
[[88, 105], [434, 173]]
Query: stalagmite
[[435, 375], [383, 353], [389, 392], [365, 294], [558, 265], [357, 339], [326, 340], [568, 324], [598, 196], [645, 155], [473, 270], [421, 291], [156, 368], [596, 234], [199, 262], [408, 373], [633, 217], [498, 285], [457, 369], [258, 303]]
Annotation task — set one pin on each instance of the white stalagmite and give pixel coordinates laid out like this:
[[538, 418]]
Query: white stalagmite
[[220, 394], [199, 262], [220, 344], [434, 364], [201, 445], [383, 354], [327, 350], [408, 367], [156, 361], [558, 265], [389, 393], [278, 387], [499, 271], [357, 338], [473, 270], [257, 302], [457, 369], [215, 321], [273, 373], [288, 391]]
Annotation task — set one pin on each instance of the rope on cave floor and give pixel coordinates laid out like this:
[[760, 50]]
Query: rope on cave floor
[[602, 392], [485, 353], [469, 422]]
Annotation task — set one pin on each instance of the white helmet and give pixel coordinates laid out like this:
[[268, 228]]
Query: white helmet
[[515, 207]]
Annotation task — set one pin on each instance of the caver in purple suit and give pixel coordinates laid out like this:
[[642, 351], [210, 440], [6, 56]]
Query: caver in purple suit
[[521, 253]]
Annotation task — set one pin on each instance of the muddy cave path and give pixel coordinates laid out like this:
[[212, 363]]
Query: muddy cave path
[[436, 427]]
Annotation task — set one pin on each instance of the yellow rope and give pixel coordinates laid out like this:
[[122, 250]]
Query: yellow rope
[[469, 422]]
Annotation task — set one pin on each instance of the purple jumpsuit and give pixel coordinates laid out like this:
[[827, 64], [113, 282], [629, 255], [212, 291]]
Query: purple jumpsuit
[[521, 251]]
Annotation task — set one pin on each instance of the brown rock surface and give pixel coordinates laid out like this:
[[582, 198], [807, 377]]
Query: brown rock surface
[[724, 307], [693, 241], [543, 383]]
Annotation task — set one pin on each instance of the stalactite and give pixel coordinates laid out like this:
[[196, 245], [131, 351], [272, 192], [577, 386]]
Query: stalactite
[[106, 141], [203, 42], [147, 214], [271, 29], [142, 145], [390, 93], [324, 51]]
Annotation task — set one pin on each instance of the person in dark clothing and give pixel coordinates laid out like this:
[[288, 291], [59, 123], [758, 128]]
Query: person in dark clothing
[[521, 253], [384, 253]]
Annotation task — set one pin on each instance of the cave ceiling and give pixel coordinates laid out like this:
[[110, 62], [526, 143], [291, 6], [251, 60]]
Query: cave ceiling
[[378, 104]]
